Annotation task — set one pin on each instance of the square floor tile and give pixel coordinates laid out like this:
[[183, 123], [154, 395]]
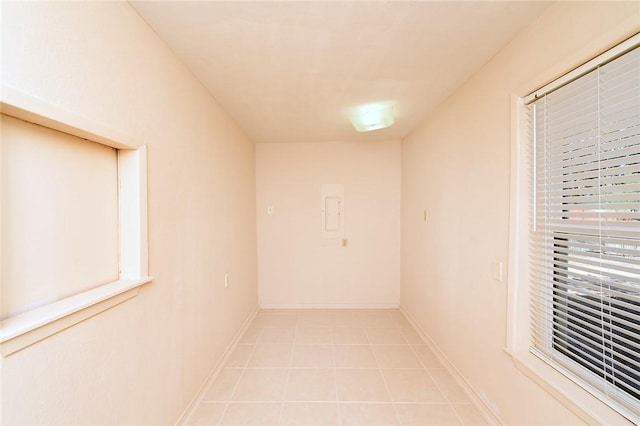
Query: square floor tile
[[276, 335], [368, 414], [223, 385], [384, 336], [396, 356], [271, 355], [313, 318], [361, 385], [307, 414], [470, 414], [251, 335], [348, 318], [427, 357], [206, 414], [448, 386], [314, 335], [412, 386], [312, 356], [254, 414], [411, 336], [380, 319], [350, 336], [400, 320], [427, 414], [315, 384], [354, 356], [240, 356], [333, 367], [261, 385], [278, 320]]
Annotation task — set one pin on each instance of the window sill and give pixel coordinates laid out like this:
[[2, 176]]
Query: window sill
[[583, 404], [23, 330]]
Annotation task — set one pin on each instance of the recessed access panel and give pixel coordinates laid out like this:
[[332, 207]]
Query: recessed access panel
[[332, 208]]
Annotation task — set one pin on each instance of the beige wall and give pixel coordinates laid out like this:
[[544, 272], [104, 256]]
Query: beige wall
[[296, 267], [144, 360], [457, 167]]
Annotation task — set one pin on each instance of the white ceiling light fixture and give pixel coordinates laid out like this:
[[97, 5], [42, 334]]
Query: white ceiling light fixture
[[373, 116]]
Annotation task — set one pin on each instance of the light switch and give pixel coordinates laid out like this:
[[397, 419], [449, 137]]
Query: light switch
[[270, 210], [498, 273]]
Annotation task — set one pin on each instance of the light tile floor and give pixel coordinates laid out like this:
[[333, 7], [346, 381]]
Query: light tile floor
[[333, 367]]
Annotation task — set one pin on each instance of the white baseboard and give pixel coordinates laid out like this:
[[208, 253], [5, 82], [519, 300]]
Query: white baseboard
[[216, 369], [485, 409], [331, 306]]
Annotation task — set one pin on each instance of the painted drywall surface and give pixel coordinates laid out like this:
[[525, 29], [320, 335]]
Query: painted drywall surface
[[296, 267], [144, 360], [456, 166]]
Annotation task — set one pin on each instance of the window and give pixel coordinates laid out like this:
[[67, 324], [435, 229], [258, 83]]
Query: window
[[59, 215], [585, 230], [74, 219]]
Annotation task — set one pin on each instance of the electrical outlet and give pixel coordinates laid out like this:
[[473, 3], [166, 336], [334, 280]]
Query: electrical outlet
[[345, 242]]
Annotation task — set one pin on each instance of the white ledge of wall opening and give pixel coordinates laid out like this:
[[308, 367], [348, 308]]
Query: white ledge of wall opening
[[22, 330]]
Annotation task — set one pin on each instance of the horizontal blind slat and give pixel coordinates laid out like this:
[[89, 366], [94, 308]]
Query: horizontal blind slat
[[625, 295], [622, 316], [595, 154], [607, 229], [616, 280], [623, 187]]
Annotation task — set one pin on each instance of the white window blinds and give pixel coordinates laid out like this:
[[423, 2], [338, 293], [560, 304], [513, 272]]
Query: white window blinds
[[585, 244]]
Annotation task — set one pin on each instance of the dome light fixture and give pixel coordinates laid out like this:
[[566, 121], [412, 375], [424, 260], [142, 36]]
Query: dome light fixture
[[373, 116]]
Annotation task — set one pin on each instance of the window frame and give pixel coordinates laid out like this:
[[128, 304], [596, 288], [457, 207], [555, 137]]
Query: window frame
[[555, 381], [22, 330]]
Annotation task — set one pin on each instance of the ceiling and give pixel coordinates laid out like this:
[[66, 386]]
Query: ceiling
[[291, 71]]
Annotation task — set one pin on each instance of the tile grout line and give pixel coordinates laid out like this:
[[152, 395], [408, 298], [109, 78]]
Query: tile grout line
[[447, 398], [384, 380], [286, 382], [449, 403], [335, 370], [428, 371], [235, 387], [368, 329]]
